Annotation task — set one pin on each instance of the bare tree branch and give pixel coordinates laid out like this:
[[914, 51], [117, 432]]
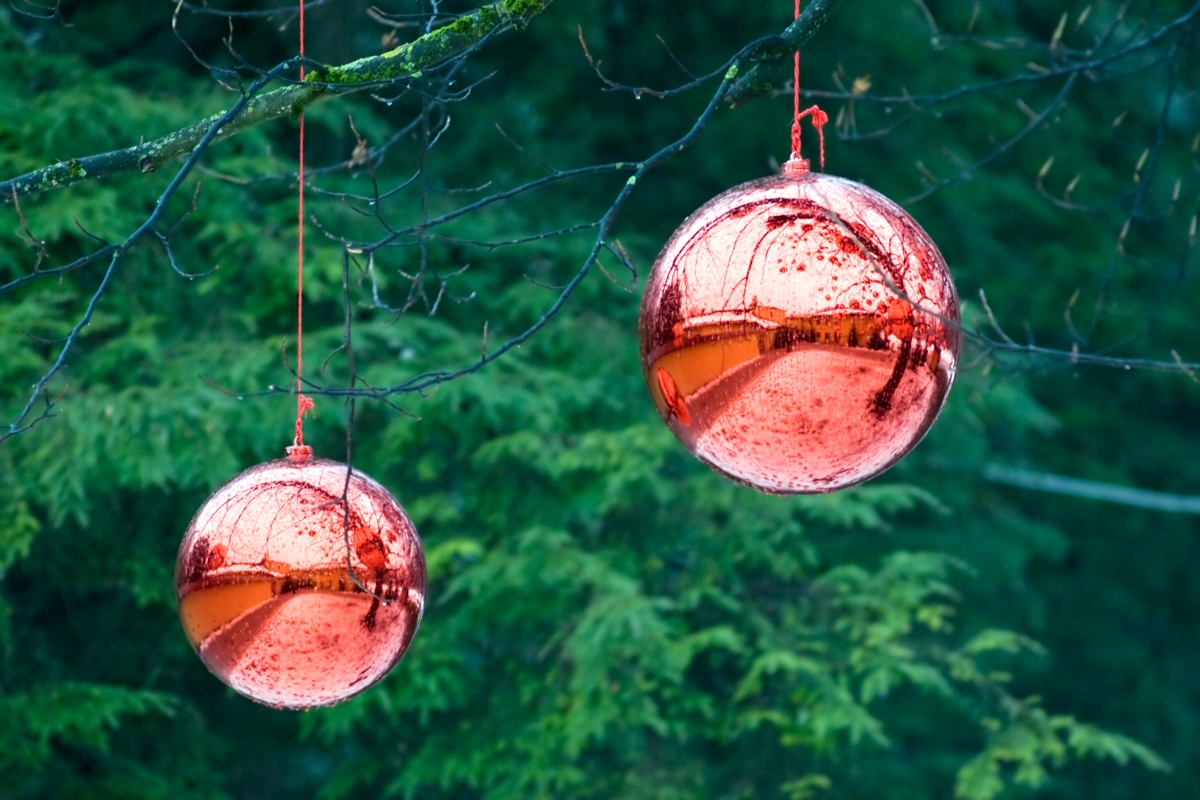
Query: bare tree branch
[[1110, 56], [22, 422], [1093, 490], [266, 13]]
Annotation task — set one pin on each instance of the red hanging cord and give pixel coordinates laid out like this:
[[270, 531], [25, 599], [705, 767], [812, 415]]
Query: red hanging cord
[[796, 98], [819, 117], [303, 404]]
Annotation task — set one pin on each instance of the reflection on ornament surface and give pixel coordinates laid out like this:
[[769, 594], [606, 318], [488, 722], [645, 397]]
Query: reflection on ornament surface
[[798, 332], [265, 592]]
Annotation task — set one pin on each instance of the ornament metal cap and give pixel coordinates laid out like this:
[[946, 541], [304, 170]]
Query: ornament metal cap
[[796, 167], [299, 452]]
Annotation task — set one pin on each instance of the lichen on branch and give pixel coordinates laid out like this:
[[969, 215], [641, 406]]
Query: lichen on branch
[[405, 62], [409, 59], [757, 81]]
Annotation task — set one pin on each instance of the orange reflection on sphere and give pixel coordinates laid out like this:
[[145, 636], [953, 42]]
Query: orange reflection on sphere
[[265, 592], [798, 332]]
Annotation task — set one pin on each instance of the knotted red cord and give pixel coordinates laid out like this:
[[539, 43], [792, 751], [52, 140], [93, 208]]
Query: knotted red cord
[[819, 117]]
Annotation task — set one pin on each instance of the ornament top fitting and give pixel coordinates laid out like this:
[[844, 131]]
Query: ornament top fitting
[[796, 167], [299, 452]]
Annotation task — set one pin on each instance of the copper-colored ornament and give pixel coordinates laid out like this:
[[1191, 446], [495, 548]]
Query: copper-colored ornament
[[265, 589], [798, 332]]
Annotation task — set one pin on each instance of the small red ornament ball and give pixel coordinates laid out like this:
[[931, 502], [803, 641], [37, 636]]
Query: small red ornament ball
[[798, 332], [265, 591]]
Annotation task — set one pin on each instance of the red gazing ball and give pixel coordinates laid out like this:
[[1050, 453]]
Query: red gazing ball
[[798, 332], [265, 591]]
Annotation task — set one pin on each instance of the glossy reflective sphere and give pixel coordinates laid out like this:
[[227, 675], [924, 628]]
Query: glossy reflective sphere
[[790, 333], [265, 592]]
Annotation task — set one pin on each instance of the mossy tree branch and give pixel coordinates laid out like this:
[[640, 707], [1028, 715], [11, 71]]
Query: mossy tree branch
[[405, 62], [757, 82]]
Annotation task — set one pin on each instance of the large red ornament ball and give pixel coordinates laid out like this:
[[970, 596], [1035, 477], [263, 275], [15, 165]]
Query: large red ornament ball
[[265, 591], [798, 332]]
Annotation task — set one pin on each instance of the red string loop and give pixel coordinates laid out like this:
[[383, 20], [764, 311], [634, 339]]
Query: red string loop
[[819, 118]]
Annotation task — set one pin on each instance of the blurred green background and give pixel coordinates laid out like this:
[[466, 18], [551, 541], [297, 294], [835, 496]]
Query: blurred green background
[[606, 617]]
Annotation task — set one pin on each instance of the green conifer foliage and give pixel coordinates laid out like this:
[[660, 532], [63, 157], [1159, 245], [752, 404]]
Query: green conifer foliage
[[606, 617]]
